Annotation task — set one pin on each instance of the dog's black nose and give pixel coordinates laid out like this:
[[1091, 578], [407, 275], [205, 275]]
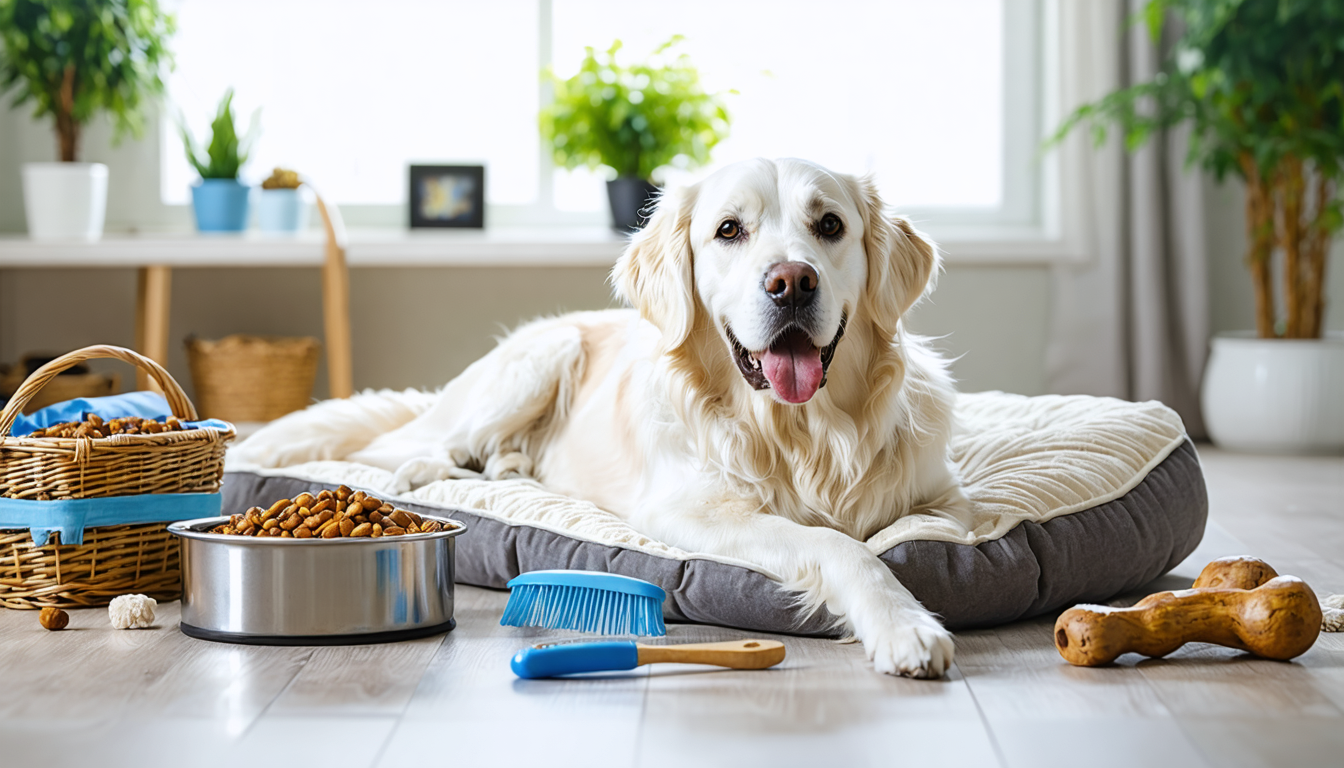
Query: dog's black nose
[[790, 283]]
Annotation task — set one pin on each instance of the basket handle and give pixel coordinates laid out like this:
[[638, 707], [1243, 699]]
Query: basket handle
[[177, 399]]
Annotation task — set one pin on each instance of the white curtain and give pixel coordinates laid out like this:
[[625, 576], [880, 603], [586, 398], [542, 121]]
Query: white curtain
[[1132, 319]]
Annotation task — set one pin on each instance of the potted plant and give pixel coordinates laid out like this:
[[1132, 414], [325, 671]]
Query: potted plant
[[1262, 84], [73, 59], [281, 206], [634, 120], [219, 199]]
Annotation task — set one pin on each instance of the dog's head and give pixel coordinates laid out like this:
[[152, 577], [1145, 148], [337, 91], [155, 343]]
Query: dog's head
[[779, 257]]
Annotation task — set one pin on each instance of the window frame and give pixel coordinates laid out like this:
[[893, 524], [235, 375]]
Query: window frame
[[1039, 219]]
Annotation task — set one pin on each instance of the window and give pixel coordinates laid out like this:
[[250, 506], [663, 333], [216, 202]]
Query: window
[[940, 100], [907, 88], [350, 91]]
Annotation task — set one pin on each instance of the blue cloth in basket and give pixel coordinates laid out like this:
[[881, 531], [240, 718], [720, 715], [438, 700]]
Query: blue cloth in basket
[[71, 516], [146, 405]]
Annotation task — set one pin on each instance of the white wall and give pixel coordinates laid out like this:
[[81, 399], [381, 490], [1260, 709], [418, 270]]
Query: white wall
[[419, 327]]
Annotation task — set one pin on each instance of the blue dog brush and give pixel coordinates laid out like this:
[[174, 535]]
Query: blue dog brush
[[604, 603]]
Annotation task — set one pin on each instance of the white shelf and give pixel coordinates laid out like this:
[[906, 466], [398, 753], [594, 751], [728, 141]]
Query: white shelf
[[560, 246]]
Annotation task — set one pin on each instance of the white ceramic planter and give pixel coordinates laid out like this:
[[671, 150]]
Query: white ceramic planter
[[65, 201], [1276, 395]]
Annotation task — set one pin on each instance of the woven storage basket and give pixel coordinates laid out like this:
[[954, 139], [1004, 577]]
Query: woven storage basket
[[253, 378], [67, 386], [114, 559]]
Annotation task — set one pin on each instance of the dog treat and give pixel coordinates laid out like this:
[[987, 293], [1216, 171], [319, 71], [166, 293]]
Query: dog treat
[[341, 513], [132, 611], [53, 618], [1279, 619], [1238, 572], [1249, 572], [94, 426]]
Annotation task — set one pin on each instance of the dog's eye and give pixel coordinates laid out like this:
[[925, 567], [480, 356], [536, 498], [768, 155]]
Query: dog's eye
[[830, 226], [729, 230]]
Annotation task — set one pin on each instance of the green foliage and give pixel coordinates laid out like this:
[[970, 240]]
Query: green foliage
[[1261, 83], [74, 58], [225, 155], [634, 119], [1256, 78]]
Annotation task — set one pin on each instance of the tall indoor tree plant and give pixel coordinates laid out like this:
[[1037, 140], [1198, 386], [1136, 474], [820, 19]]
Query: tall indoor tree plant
[[1261, 84], [74, 59], [633, 120]]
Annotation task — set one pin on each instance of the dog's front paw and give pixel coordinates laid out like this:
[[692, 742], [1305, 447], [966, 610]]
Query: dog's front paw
[[508, 466], [916, 646], [418, 472]]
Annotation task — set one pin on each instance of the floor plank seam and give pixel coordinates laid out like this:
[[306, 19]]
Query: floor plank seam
[[984, 721], [401, 716], [1175, 718], [643, 717], [387, 741], [1209, 760], [266, 709]]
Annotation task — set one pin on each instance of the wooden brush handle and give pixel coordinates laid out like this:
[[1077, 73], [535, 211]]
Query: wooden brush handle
[[738, 654], [1278, 620]]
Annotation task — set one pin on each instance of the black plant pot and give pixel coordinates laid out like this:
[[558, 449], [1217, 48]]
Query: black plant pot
[[632, 202]]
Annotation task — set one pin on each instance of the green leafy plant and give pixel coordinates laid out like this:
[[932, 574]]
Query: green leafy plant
[[1262, 84], [634, 119], [75, 58], [226, 153]]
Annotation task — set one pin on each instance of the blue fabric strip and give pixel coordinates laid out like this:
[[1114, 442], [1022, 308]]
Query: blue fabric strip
[[146, 405], [71, 516]]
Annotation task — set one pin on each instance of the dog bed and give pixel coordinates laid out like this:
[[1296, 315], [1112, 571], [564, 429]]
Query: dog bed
[[1074, 499]]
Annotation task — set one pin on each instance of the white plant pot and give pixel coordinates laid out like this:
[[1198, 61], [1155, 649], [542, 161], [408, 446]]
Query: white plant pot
[[1276, 395], [65, 201]]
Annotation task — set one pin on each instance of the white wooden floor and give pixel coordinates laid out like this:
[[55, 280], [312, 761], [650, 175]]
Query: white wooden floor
[[100, 697]]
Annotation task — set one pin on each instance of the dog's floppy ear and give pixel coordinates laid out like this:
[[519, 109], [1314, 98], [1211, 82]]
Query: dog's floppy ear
[[903, 263], [655, 273]]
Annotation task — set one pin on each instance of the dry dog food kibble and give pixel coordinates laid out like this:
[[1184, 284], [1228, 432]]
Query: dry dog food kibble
[[329, 515], [95, 427], [53, 618]]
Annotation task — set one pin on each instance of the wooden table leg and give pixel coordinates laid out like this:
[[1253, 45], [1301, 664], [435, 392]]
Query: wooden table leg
[[152, 303], [336, 313], [336, 304]]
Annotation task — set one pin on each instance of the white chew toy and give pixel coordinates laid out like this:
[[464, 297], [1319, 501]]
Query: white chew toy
[[132, 611]]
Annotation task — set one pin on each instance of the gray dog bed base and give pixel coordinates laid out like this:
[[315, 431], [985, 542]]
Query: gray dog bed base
[[1035, 567], [1088, 556]]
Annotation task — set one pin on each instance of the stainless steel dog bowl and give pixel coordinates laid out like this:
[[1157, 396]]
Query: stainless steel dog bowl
[[239, 589]]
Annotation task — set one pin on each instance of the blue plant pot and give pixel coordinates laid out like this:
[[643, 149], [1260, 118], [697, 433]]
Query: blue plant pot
[[220, 205], [282, 210]]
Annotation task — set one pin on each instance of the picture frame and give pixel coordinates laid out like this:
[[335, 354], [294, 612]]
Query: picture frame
[[447, 196]]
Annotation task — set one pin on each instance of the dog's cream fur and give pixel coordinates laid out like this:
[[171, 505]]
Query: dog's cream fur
[[645, 414]]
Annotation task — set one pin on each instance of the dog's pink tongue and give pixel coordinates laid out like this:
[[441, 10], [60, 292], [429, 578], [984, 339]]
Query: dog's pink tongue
[[793, 367]]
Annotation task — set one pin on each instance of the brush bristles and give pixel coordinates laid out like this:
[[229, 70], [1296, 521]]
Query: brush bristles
[[553, 606]]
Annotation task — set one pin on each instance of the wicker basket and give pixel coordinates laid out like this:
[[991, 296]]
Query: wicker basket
[[253, 378], [114, 559], [67, 386]]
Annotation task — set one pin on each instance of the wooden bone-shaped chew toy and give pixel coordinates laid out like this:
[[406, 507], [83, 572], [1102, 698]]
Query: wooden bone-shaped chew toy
[[1237, 602]]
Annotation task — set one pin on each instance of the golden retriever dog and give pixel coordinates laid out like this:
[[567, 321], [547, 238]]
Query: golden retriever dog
[[762, 401]]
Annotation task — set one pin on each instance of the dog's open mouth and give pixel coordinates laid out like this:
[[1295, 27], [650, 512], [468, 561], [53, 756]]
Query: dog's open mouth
[[791, 365]]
